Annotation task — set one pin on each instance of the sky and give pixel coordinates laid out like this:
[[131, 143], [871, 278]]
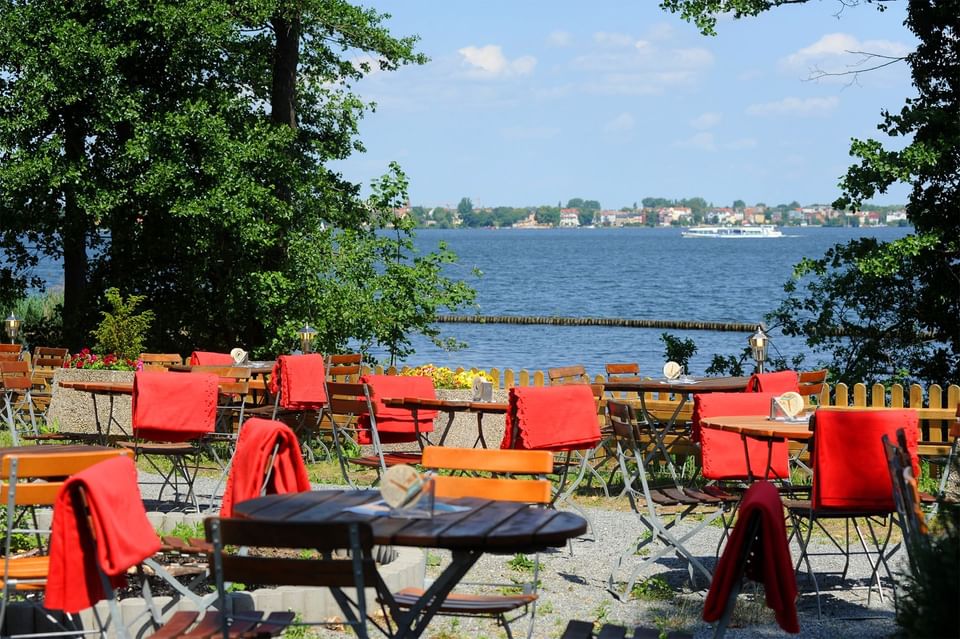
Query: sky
[[535, 102]]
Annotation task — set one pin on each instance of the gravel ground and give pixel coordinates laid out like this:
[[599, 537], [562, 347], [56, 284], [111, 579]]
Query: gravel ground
[[574, 586]]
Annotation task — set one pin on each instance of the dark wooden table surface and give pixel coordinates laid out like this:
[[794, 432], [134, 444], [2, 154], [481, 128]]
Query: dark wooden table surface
[[759, 426], [699, 385]]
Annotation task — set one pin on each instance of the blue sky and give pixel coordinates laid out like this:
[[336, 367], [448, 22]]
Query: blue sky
[[535, 102]]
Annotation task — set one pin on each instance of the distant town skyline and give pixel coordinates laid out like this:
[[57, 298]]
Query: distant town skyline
[[524, 104]]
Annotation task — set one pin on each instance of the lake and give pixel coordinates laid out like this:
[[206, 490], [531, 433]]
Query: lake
[[635, 273]]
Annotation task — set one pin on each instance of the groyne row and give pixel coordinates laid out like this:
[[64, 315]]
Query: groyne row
[[687, 325]]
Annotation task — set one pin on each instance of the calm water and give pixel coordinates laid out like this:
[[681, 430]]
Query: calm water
[[628, 273]]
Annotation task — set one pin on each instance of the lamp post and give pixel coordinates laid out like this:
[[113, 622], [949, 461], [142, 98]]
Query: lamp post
[[758, 347], [12, 326], [307, 333]]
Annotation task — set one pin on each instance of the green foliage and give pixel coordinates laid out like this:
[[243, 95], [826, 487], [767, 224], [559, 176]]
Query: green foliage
[[187, 532], [42, 316], [652, 589], [927, 605], [521, 563], [678, 349], [704, 13], [122, 331]]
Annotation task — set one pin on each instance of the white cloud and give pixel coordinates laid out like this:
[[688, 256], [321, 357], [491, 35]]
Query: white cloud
[[606, 39], [620, 124], [704, 141], [799, 107], [560, 39], [706, 120], [833, 47], [490, 61]]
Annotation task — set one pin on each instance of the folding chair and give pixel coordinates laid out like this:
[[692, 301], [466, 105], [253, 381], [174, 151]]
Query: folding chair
[[262, 564], [18, 406], [297, 395], [11, 352], [576, 374], [44, 363], [665, 501], [267, 461], [851, 481], [906, 494], [208, 358], [340, 367], [952, 459], [171, 415], [503, 485], [622, 371], [778, 382], [810, 385], [32, 479], [757, 548], [355, 414], [562, 419]]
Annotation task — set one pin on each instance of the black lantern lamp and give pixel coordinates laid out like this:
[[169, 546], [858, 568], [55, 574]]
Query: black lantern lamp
[[307, 333], [12, 326], [758, 347]]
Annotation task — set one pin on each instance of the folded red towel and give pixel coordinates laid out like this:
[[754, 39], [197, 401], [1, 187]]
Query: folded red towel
[[552, 418], [258, 438], [769, 561], [207, 358], [779, 382], [395, 425], [300, 381], [173, 407], [124, 535]]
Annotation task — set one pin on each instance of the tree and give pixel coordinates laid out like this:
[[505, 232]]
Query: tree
[[465, 207], [575, 203], [178, 150], [739, 204], [917, 335]]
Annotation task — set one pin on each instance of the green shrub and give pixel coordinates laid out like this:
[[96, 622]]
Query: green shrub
[[42, 317], [122, 331]]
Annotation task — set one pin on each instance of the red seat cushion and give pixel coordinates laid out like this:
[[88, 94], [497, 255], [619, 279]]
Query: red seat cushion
[[779, 382], [723, 455]]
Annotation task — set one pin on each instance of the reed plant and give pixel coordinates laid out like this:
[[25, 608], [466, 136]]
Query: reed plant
[[42, 319]]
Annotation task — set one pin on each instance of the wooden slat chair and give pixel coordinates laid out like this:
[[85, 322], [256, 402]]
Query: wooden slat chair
[[11, 352], [622, 370], [347, 403], [19, 411], [29, 482], [263, 564], [340, 367], [160, 361], [575, 374], [811, 385], [500, 468], [45, 362], [906, 495], [660, 504]]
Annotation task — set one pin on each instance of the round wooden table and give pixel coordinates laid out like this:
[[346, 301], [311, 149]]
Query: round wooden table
[[760, 427]]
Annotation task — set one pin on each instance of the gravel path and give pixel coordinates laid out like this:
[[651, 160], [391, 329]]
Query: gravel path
[[574, 586]]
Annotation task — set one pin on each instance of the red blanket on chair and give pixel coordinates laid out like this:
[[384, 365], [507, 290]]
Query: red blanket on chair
[[207, 358], [769, 561], [172, 407], [395, 425], [258, 438], [301, 381], [556, 418], [124, 535]]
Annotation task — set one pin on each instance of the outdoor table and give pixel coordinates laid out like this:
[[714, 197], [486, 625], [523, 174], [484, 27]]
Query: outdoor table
[[110, 389], [451, 407], [487, 526]]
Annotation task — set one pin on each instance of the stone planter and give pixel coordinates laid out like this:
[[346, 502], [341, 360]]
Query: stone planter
[[73, 411]]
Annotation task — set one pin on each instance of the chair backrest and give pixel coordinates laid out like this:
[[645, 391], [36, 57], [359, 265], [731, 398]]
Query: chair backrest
[[906, 495], [724, 454], [622, 371], [344, 367], [35, 479], [558, 418], [576, 374], [778, 382], [298, 382], [812, 383], [11, 348], [173, 407], [160, 360], [15, 375], [9, 357], [209, 358], [49, 357], [522, 462], [850, 469]]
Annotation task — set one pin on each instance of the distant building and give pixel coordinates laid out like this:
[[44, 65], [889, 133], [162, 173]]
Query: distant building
[[569, 218]]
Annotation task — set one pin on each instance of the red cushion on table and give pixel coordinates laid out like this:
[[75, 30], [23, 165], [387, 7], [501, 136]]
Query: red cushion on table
[[207, 358], [396, 425], [300, 378], [722, 452], [779, 382], [849, 464], [556, 418], [173, 407], [769, 562], [258, 438], [124, 535]]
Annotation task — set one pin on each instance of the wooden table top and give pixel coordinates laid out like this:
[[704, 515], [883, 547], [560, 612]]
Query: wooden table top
[[106, 388], [59, 449], [700, 385], [448, 405], [488, 525], [255, 368], [759, 426]]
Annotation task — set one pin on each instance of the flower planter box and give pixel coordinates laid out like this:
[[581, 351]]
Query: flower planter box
[[73, 411]]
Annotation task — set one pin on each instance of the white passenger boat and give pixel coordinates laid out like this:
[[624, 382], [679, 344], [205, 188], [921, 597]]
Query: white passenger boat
[[764, 230]]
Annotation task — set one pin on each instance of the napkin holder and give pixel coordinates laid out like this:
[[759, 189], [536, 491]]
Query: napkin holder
[[482, 390], [420, 504], [779, 414]]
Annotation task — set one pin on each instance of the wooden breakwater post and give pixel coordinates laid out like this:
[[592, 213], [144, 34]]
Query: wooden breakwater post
[[689, 325]]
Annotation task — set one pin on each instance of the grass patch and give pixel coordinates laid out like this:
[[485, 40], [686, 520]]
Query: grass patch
[[652, 589]]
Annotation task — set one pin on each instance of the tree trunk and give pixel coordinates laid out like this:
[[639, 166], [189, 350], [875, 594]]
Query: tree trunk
[[286, 59], [75, 229]]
